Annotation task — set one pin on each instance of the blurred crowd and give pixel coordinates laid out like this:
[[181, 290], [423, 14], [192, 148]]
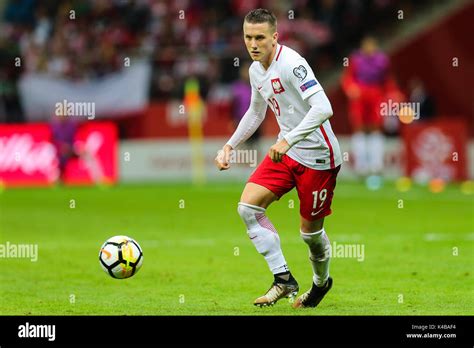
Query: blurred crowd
[[85, 39]]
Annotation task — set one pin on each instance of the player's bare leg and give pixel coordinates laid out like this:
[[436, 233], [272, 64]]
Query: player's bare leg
[[257, 195], [253, 203], [314, 235]]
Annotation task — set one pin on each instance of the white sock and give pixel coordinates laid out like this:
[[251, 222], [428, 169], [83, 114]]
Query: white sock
[[319, 255], [359, 151], [375, 145], [264, 236]]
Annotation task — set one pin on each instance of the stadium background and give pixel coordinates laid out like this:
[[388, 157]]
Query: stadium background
[[160, 75]]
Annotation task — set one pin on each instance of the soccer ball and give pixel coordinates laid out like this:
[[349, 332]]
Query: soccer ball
[[121, 257]]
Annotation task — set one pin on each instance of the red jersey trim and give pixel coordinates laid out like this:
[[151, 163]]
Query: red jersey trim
[[331, 153], [278, 55]]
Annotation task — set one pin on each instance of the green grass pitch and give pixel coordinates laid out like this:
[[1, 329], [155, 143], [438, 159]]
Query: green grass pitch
[[198, 260]]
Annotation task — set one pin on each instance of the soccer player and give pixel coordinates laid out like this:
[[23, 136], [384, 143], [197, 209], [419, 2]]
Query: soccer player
[[367, 82], [306, 156]]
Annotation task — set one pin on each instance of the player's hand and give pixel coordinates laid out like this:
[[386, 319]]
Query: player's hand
[[277, 151], [223, 158]]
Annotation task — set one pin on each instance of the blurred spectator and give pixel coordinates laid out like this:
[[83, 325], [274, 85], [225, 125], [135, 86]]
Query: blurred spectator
[[63, 130], [10, 107], [77, 39], [419, 94]]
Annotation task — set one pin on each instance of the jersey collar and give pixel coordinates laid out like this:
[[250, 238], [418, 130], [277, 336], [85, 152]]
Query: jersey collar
[[275, 58]]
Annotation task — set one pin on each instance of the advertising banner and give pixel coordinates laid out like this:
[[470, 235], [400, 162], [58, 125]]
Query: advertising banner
[[436, 149], [30, 156]]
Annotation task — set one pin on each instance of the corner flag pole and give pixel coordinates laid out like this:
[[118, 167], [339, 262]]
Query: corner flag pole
[[195, 109]]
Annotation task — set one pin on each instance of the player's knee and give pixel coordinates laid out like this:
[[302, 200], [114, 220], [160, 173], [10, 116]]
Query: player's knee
[[262, 234], [247, 213], [243, 211]]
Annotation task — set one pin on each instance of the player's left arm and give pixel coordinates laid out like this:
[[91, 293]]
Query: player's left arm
[[302, 78]]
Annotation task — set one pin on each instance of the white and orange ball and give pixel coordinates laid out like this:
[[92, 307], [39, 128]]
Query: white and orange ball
[[121, 257]]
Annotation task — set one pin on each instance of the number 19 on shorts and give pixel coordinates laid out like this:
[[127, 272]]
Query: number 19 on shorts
[[319, 196]]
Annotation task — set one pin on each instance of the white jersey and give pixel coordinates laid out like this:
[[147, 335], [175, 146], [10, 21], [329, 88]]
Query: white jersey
[[285, 86]]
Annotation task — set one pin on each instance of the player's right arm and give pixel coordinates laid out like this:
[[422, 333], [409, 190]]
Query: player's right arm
[[249, 123]]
